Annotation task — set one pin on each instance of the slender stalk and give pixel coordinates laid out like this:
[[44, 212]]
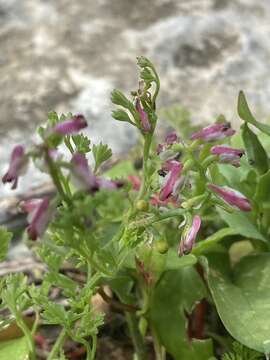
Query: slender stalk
[[55, 178], [146, 151], [58, 345], [137, 339], [159, 349]]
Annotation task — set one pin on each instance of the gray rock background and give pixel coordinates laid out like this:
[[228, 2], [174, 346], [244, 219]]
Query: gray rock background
[[67, 55]]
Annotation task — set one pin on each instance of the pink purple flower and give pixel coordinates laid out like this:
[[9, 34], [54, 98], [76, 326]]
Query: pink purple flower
[[170, 183], [39, 216], [232, 197], [189, 236], [70, 126], [228, 154], [164, 151], [81, 174], [17, 166], [145, 123], [214, 132]]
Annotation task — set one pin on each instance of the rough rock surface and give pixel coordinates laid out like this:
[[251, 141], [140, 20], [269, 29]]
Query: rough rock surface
[[68, 55]]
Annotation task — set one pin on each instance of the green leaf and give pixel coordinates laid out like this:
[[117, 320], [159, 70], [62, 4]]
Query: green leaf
[[175, 294], [256, 154], [262, 194], [174, 262], [16, 349], [241, 299], [121, 115], [241, 224], [82, 143], [245, 114], [240, 352], [212, 240], [52, 118], [118, 98], [5, 238], [101, 153], [121, 170]]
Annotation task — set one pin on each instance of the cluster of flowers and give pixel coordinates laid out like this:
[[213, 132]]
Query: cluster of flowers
[[40, 211], [174, 179]]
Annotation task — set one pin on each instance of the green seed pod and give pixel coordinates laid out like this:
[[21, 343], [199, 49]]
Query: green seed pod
[[142, 205], [162, 246], [143, 324]]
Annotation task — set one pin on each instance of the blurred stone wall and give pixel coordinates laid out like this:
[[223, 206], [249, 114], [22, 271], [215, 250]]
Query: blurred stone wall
[[67, 55]]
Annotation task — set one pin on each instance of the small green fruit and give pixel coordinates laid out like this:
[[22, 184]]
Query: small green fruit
[[162, 246], [143, 324], [142, 205]]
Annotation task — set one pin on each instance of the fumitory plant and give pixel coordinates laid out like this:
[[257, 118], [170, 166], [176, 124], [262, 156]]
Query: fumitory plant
[[181, 240]]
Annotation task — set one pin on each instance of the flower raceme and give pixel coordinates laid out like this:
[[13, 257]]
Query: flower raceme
[[227, 154], [232, 197], [171, 180], [39, 215], [70, 126], [145, 123], [17, 166], [189, 236], [214, 132]]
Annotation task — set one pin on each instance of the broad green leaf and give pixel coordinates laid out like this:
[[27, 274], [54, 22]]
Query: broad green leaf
[[256, 154], [121, 170], [101, 153], [212, 240], [174, 262], [262, 194], [241, 224], [245, 114], [175, 294], [16, 349], [241, 299], [5, 238]]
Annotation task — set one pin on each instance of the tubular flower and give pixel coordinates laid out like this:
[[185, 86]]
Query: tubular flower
[[40, 213], [228, 154], [189, 236], [17, 166], [232, 197], [171, 182], [135, 182], [214, 132], [164, 150], [81, 174], [70, 126], [145, 123]]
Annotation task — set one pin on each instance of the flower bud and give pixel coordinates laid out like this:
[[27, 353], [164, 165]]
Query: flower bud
[[40, 214], [70, 126], [228, 154], [174, 169], [189, 236], [17, 166], [81, 174], [232, 197], [214, 132], [145, 123]]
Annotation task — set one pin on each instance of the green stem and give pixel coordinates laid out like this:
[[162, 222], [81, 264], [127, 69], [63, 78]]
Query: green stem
[[146, 151], [163, 216], [27, 334], [58, 345], [55, 178], [159, 349], [138, 342]]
